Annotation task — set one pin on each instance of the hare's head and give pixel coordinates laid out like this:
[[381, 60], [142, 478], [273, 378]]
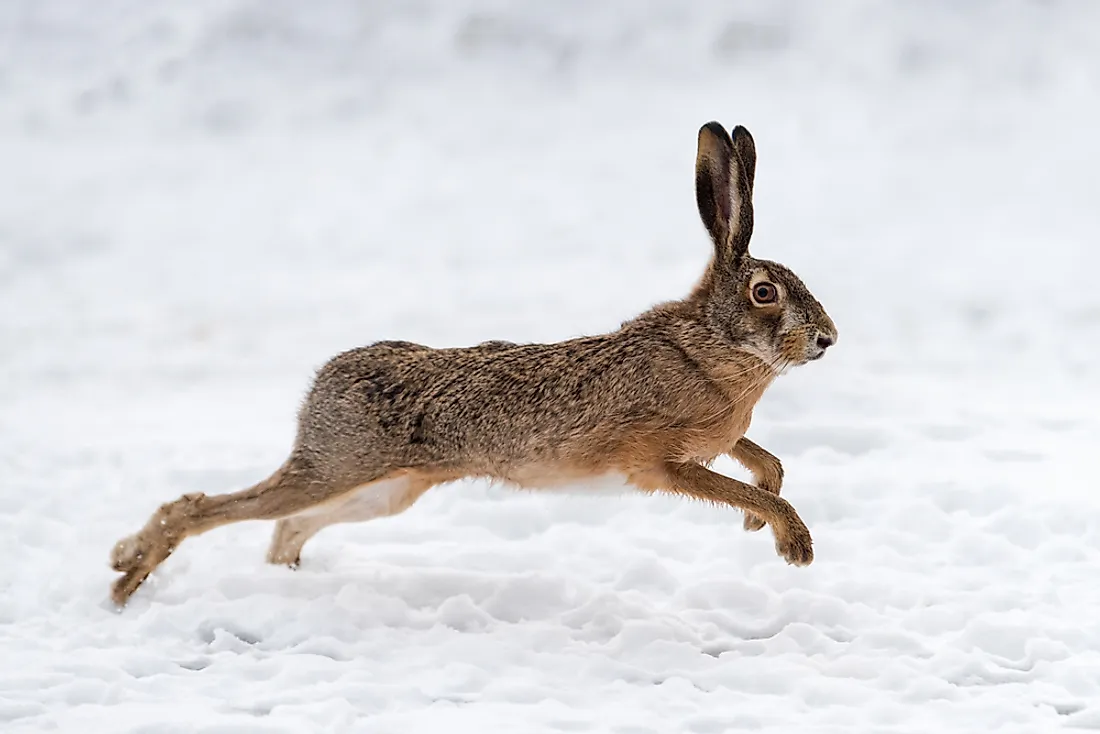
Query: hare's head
[[756, 306]]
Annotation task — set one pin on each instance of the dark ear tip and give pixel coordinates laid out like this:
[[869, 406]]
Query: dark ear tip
[[741, 132], [714, 128]]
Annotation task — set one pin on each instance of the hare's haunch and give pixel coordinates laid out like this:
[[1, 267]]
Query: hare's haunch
[[653, 403]]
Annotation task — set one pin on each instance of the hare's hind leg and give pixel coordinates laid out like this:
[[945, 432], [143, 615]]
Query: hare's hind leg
[[385, 497], [291, 489]]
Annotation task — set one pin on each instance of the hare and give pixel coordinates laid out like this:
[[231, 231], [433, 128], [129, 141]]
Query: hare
[[652, 404]]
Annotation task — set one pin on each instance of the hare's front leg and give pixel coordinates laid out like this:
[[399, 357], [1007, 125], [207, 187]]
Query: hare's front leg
[[792, 539], [767, 473]]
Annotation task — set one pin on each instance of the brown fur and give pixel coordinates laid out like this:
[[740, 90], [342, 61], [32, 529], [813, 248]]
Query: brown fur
[[654, 402]]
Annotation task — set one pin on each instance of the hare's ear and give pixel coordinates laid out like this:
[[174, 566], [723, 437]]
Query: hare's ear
[[745, 147], [724, 171]]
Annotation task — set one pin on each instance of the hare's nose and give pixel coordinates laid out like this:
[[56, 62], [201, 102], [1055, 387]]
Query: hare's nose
[[824, 341]]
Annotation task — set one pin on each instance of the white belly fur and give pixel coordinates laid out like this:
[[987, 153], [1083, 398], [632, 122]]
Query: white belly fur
[[605, 485], [391, 496]]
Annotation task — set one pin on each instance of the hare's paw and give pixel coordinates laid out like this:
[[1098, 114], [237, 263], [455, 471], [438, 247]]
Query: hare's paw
[[123, 588], [127, 554], [753, 522], [795, 544], [286, 542], [136, 557], [284, 551], [292, 559]]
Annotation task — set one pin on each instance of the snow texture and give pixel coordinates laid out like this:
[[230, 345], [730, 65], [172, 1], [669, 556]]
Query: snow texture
[[200, 202]]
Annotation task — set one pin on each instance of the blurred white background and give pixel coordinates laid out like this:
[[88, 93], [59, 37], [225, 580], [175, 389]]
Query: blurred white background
[[201, 202]]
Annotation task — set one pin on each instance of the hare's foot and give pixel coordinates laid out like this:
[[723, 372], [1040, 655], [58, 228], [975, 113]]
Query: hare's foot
[[287, 541], [136, 557], [794, 543], [139, 555]]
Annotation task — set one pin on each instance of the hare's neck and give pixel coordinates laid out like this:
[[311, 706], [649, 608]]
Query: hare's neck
[[744, 377], [740, 375]]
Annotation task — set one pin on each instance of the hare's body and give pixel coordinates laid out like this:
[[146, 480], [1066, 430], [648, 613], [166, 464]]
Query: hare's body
[[651, 403], [530, 413]]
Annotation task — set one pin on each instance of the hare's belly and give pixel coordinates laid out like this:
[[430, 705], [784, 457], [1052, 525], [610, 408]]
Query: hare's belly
[[559, 480], [610, 484]]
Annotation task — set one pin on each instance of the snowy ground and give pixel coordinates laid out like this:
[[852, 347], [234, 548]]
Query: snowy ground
[[201, 202]]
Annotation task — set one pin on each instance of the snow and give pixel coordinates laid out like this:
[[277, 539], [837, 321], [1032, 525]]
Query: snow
[[201, 202]]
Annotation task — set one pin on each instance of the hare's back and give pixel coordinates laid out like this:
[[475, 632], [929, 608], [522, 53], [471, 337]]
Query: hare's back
[[493, 398]]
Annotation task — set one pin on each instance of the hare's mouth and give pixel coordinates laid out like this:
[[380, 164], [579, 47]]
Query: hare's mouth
[[810, 355], [820, 344]]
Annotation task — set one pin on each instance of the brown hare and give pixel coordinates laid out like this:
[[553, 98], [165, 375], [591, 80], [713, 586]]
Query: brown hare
[[652, 403]]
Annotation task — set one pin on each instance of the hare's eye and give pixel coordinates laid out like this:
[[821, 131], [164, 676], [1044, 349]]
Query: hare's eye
[[764, 293]]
